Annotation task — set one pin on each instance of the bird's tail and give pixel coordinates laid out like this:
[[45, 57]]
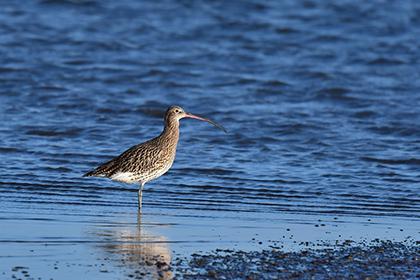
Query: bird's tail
[[102, 171], [90, 173]]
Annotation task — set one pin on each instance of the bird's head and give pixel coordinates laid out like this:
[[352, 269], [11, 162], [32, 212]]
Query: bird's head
[[175, 113]]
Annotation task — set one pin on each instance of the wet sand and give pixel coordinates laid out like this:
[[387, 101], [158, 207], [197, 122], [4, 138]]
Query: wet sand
[[375, 260], [191, 245]]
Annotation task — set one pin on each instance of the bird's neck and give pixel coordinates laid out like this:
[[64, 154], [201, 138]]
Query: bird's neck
[[171, 131]]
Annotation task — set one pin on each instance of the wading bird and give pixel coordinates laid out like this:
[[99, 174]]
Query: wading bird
[[151, 159]]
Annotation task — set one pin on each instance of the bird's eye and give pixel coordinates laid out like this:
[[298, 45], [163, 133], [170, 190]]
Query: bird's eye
[[177, 111]]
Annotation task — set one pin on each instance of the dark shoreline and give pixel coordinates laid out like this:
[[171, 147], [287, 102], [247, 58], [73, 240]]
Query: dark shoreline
[[348, 260], [377, 260]]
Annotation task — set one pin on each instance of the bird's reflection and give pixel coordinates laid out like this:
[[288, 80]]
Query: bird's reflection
[[146, 256]]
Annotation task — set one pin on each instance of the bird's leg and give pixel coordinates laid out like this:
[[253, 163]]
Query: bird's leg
[[139, 214], [140, 195]]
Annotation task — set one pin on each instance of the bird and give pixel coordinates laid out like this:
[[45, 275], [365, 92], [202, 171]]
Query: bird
[[147, 161]]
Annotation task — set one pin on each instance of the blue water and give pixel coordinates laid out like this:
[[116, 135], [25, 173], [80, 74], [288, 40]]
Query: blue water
[[321, 101]]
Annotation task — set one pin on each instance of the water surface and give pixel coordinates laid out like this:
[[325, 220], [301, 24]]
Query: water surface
[[320, 100]]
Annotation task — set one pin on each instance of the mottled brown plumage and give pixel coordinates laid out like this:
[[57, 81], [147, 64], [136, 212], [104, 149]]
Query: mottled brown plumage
[[149, 160]]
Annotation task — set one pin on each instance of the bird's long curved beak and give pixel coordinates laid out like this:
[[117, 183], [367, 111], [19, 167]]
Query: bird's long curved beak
[[188, 115]]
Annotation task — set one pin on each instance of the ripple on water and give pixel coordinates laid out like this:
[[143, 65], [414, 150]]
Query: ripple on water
[[320, 101]]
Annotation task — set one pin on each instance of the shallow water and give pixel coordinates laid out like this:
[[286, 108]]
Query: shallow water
[[320, 101]]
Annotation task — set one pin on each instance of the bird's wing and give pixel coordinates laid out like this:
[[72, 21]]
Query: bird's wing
[[137, 158]]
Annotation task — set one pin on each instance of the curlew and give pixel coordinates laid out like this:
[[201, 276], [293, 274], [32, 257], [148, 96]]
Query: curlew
[[151, 159]]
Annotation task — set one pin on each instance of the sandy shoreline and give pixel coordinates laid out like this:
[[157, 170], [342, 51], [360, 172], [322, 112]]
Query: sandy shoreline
[[378, 260], [348, 260]]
